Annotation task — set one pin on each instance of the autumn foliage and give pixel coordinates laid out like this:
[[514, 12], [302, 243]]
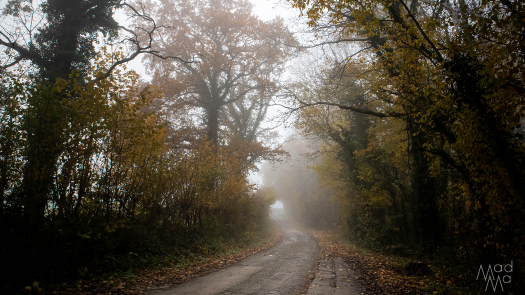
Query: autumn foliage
[[438, 88], [99, 175]]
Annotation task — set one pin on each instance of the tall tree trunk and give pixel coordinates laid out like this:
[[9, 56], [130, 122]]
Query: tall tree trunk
[[426, 215], [212, 122]]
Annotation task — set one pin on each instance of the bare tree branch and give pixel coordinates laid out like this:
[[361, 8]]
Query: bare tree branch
[[334, 42], [436, 51], [25, 52], [355, 109], [139, 49]]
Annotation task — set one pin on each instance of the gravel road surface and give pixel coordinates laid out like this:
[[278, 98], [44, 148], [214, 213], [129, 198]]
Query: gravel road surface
[[283, 269]]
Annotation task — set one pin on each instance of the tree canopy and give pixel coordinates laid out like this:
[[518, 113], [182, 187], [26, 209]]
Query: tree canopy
[[452, 71], [237, 59]]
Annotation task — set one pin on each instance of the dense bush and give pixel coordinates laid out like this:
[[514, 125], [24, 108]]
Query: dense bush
[[89, 186]]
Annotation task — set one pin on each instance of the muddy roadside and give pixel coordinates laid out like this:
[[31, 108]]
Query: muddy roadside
[[342, 267]]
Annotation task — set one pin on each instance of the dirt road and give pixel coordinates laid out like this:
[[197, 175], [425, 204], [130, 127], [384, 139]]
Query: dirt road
[[283, 269]]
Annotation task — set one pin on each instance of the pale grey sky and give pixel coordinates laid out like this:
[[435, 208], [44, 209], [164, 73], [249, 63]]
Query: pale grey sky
[[269, 9]]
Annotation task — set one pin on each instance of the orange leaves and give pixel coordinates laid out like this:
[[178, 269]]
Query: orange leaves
[[229, 56]]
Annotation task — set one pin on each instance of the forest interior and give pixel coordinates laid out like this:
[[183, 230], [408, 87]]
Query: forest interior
[[391, 131]]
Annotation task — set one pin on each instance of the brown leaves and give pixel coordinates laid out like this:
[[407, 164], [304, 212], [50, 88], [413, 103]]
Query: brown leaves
[[375, 272]]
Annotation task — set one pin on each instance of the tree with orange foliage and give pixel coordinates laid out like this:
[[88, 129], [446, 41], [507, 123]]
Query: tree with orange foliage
[[235, 55]]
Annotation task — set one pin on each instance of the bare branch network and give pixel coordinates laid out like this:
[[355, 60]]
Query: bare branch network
[[19, 52]]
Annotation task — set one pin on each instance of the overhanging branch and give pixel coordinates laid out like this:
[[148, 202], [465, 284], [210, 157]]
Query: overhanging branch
[[354, 109], [139, 49]]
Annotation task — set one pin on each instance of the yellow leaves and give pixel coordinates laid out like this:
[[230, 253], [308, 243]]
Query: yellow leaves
[[478, 205]]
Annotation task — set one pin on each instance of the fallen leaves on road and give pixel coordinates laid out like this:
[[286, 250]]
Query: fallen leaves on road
[[375, 273]]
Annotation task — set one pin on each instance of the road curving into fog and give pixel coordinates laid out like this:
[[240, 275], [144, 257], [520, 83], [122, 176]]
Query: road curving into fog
[[283, 269]]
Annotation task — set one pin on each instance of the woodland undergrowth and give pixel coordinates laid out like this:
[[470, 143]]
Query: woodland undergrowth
[[168, 269]]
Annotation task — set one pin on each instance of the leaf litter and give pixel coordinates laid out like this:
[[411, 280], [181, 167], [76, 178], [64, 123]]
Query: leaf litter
[[374, 272], [154, 279]]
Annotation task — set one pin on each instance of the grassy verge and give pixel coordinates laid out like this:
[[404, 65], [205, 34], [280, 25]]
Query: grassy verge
[[382, 273], [172, 268]]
